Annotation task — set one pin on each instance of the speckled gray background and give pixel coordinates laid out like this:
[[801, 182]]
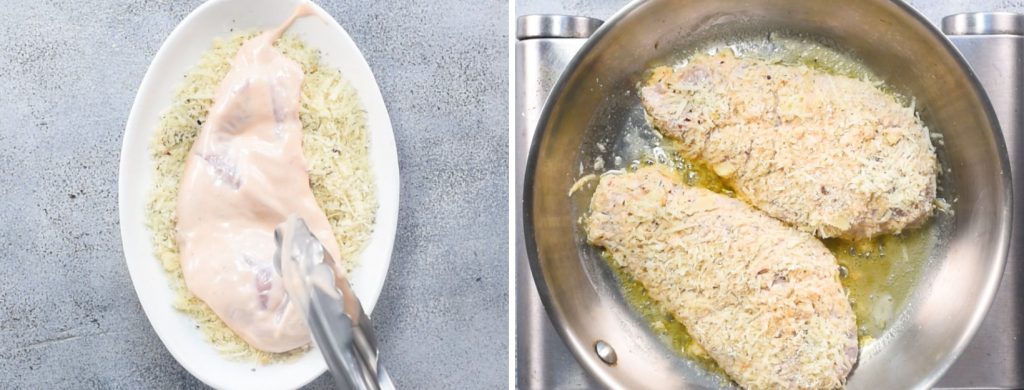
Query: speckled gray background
[[69, 71]]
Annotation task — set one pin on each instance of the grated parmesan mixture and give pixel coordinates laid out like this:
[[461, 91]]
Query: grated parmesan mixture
[[762, 299], [832, 155], [336, 147]]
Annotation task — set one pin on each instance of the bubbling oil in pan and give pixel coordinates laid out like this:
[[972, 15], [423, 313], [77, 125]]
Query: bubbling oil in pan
[[879, 274]]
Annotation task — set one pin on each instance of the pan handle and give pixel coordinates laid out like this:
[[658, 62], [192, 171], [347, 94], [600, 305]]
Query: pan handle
[[555, 26], [984, 23]]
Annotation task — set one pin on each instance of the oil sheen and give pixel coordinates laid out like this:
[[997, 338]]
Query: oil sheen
[[879, 274]]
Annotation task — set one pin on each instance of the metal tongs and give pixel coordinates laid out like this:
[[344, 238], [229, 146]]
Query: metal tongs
[[340, 328]]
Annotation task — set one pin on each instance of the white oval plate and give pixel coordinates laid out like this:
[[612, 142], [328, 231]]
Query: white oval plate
[[179, 53]]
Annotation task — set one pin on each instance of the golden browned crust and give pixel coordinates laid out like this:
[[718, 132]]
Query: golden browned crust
[[763, 299], [828, 154]]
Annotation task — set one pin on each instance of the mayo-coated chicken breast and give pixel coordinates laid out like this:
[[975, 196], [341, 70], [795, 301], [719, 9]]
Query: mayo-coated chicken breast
[[828, 154], [763, 299]]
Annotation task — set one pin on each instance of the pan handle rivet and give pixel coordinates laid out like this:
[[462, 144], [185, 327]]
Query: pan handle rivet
[[605, 352]]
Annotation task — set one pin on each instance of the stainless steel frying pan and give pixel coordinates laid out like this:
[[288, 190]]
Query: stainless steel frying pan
[[595, 100]]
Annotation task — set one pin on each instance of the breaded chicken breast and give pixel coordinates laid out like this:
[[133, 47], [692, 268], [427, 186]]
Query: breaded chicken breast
[[828, 154], [763, 299]]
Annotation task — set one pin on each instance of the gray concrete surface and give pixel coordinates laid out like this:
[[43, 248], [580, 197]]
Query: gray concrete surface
[[69, 70]]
